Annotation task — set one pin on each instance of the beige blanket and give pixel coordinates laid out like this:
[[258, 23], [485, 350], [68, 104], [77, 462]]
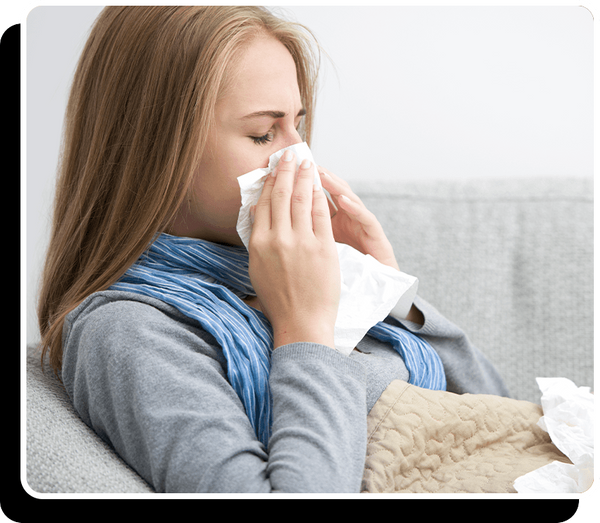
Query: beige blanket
[[421, 440]]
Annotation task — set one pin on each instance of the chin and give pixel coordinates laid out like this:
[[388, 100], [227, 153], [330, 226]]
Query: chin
[[224, 236]]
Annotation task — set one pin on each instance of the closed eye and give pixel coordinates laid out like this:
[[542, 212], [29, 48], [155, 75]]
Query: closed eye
[[262, 140], [269, 137]]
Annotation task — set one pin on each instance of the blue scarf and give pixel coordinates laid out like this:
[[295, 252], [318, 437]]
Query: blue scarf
[[207, 282]]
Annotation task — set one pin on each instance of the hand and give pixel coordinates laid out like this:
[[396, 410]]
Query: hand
[[294, 265], [354, 224]]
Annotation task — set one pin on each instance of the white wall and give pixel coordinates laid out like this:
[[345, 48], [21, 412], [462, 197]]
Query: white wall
[[455, 92], [54, 39], [417, 92]]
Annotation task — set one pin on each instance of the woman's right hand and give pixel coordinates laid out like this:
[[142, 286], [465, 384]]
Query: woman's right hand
[[294, 266]]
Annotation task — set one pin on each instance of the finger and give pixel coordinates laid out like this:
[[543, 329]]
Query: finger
[[342, 193], [302, 198], [358, 212], [337, 187], [262, 211], [332, 183], [321, 219], [349, 206], [283, 188]]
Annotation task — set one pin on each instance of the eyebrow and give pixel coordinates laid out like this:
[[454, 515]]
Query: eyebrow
[[272, 114]]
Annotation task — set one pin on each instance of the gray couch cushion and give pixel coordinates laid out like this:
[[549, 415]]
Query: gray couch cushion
[[509, 261]]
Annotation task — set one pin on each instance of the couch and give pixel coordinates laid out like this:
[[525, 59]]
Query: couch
[[510, 261]]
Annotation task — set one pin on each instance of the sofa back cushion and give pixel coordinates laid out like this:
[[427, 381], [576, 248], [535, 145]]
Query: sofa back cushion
[[509, 261]]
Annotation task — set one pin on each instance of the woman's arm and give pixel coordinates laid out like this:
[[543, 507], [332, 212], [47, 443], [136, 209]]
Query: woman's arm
[[293, 262], [155, 387], [467, 369]]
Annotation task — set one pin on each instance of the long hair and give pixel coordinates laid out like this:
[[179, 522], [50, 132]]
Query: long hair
[[139, 110]]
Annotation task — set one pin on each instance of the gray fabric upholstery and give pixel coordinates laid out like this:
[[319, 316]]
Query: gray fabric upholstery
[[510, 262]]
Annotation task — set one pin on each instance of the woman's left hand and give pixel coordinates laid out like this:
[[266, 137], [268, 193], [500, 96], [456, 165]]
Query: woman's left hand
[[354, 224]]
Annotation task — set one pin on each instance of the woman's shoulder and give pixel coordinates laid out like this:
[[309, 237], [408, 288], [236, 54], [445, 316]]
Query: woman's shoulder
[[110, 306], [111, 300], [128, 309], [123, 318]]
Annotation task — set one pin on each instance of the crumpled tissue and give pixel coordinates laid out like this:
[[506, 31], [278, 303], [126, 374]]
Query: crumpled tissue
[[569, 420], [370, 290]]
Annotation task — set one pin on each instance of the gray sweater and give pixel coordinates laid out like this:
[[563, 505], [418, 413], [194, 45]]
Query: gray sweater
[[153, 384]]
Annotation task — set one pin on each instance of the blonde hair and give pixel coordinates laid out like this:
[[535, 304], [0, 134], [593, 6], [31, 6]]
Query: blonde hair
[[138, 114]]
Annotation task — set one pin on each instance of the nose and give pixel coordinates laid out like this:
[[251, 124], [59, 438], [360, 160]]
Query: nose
[[292, 137]]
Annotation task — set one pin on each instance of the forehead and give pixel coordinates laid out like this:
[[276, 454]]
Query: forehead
[[264, 77]]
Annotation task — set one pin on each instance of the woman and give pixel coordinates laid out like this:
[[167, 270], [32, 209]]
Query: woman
[[208, 367]]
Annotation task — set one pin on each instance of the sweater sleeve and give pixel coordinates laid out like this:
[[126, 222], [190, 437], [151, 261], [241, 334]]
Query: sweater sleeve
[[156, 390], [467, 369]]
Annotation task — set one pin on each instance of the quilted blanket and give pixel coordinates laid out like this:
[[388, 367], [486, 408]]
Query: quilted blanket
[[421, 440]]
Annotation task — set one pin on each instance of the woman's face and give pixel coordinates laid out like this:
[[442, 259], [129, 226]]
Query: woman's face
[[256, 116]]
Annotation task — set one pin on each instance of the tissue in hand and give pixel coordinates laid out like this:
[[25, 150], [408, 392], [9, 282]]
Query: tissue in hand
[[369, 289]]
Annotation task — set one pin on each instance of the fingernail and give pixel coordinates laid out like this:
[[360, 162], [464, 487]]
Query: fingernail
[[287, 156], [306, 163]]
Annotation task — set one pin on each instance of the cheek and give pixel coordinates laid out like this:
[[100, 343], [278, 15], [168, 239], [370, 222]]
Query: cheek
[[266, 156], [217, 191], [256, 157], [218, 196]]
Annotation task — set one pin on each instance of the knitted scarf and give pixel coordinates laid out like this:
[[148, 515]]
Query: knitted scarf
[[208, 281]]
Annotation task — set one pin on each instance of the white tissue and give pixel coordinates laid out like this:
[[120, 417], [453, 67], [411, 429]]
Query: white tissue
[[369, 289], [251, 185], [569, 420]]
